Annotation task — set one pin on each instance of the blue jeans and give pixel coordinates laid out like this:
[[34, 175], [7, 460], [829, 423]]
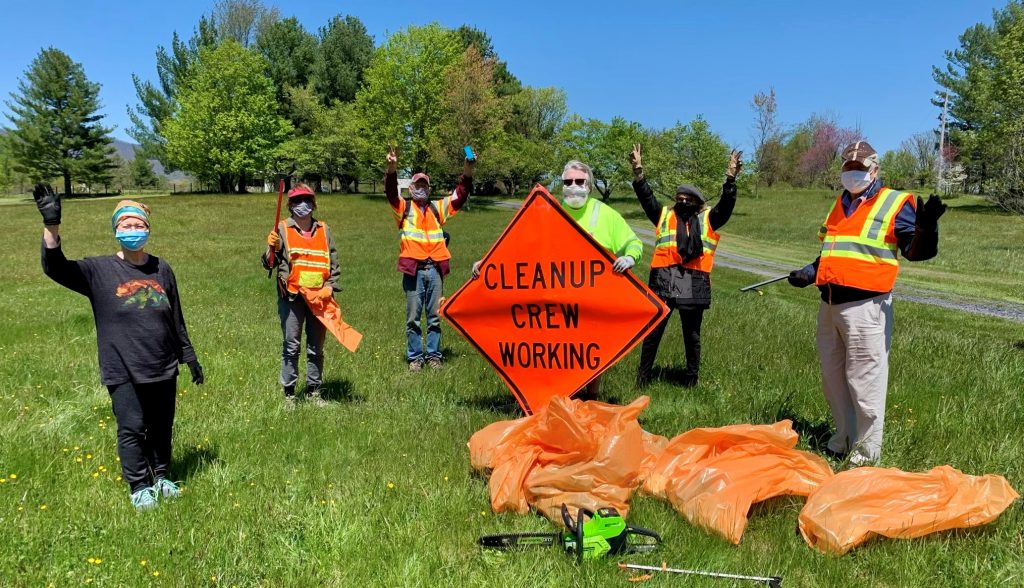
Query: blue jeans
[[293, 314], [422, 292]]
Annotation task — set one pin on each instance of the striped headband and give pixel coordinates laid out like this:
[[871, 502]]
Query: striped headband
[[129, 209]]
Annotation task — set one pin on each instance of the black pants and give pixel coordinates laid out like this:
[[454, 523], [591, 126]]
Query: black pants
[[690, 318], [145, 416]]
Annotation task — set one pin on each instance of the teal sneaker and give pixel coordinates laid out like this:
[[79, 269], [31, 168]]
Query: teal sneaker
[[144, 499], [166, 488]]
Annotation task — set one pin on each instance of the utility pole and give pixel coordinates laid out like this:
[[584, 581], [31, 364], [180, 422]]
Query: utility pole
[[942, 144]]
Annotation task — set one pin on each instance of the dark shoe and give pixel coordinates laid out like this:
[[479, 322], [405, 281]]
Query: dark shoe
[[434, 363], [416, 365], [643, 380], [289, 397], [689, 382]]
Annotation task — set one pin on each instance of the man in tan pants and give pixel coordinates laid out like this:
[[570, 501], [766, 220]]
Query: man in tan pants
[[868, 227]]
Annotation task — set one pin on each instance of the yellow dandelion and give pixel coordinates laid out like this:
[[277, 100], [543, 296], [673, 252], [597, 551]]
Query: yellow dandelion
[[156, 574], [78, 460], [91, 560], [390, 486], [21, 508], [42, 507], [236, 505], [13, 476], [446, 478], [95, 474], [88, 456], [143, 563], [483, 513], [3, 480]]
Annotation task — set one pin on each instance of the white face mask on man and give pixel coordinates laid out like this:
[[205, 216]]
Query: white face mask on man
[[855, 181], [575, 196]]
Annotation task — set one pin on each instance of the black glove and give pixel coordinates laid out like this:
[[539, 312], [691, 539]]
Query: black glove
[[197, 372], [928, 213], [48, 203], [802, 277]]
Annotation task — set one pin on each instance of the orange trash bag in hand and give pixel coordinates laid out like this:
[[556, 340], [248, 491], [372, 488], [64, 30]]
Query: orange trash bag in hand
[[583, 454], [859, 504], [329, 313]]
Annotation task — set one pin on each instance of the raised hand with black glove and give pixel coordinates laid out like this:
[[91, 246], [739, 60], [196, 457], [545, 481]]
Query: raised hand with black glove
[[925, 244], [928, 213], [48, 203], [197, 372]]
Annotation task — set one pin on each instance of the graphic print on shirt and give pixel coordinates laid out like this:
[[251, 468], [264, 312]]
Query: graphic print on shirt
[[142, 294]]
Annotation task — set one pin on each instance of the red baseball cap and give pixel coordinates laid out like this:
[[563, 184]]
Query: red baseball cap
[[420, 176], [300, 191]]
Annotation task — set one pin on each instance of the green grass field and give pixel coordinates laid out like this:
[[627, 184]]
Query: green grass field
[[376, 488]]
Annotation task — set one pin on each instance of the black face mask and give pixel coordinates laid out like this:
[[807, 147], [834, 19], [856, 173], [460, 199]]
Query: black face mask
[[686, 209]]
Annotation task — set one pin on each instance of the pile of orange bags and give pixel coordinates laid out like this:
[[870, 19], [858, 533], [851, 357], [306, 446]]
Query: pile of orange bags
[[592, 455], [713, 476], [859, 504], [583, 454]]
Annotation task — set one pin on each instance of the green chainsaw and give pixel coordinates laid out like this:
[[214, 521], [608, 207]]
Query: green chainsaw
[[603, 533]]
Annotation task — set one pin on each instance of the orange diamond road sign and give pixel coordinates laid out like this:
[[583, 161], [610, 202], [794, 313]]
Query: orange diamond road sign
[[547, 311]]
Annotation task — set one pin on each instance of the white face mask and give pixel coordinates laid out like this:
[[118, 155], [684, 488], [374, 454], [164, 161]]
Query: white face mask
[[855, 181], [575, 196], [302, 209]]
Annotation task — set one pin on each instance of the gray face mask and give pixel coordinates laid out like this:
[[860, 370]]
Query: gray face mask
[[302, 209], [420, 194]]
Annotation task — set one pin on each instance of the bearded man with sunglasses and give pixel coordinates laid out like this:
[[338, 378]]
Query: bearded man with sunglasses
[[684, 252], [604, 224]]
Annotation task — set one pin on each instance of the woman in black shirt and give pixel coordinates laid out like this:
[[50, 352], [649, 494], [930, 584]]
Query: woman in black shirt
[[140, 336]]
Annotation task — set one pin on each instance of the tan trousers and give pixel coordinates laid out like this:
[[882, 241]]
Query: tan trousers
[[853, 346]]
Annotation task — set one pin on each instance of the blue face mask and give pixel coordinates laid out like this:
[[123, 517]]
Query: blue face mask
[[302, 209], [132, 240]]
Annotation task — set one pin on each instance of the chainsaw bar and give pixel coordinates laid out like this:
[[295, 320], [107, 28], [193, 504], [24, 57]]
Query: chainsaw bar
[[520, 540]]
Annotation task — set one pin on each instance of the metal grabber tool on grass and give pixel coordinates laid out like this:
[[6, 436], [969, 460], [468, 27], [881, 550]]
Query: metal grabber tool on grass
[[754, 287], [604, 532], [770, 581]]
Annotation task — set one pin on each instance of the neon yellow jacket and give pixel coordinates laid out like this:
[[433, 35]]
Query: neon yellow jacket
[[607, 226]]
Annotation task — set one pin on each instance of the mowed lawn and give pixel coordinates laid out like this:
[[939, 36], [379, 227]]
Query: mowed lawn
[[376, 488]]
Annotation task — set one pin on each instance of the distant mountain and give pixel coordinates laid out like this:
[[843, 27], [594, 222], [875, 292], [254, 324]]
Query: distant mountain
[[126, 151]]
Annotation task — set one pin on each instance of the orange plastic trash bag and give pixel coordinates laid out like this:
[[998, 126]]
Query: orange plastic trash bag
[[859, 504], [583, 454], [329, 313], [713, 476]]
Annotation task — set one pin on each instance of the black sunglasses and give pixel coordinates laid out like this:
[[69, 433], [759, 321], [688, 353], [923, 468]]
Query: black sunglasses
[[301, 199], [577, 181]]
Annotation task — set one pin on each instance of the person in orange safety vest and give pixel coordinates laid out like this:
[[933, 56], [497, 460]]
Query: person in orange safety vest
[[306, 260], [423, 256], [868, 227], [686, 237]]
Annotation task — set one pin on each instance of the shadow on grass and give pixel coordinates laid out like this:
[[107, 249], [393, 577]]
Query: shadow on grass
[[340, 391], [989, 209], [503, 404], [1018, 345], [815, 433], [190, 461], [674, 375]]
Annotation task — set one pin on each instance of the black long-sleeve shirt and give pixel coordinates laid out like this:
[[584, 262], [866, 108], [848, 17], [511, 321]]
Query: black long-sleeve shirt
[[140, 330], [678, 286]]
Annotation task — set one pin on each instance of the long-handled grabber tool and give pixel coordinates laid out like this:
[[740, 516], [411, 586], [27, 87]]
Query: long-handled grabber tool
[[603, 533], [770, 581], [755, 287]]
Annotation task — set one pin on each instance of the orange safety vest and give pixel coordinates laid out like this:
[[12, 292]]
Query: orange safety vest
[[665, 252], [861, 251], [309, 258], [419, 230]]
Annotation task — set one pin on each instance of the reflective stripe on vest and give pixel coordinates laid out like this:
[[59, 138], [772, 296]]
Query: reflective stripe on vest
[[860, 251], [666, 253], [420, 233], [309, 258]]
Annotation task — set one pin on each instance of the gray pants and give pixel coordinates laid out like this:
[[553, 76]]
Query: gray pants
[[853, 346], [293, 313]]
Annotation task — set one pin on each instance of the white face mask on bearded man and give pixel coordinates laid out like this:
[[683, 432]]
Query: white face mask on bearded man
[[575, 196]]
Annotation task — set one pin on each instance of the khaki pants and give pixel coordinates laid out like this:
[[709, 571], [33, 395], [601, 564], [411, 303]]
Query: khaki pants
[[853, 346]]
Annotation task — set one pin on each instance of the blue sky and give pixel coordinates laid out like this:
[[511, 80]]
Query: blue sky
[[867, 63]]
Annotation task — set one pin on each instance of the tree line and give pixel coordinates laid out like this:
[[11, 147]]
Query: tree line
[[251, 95]]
